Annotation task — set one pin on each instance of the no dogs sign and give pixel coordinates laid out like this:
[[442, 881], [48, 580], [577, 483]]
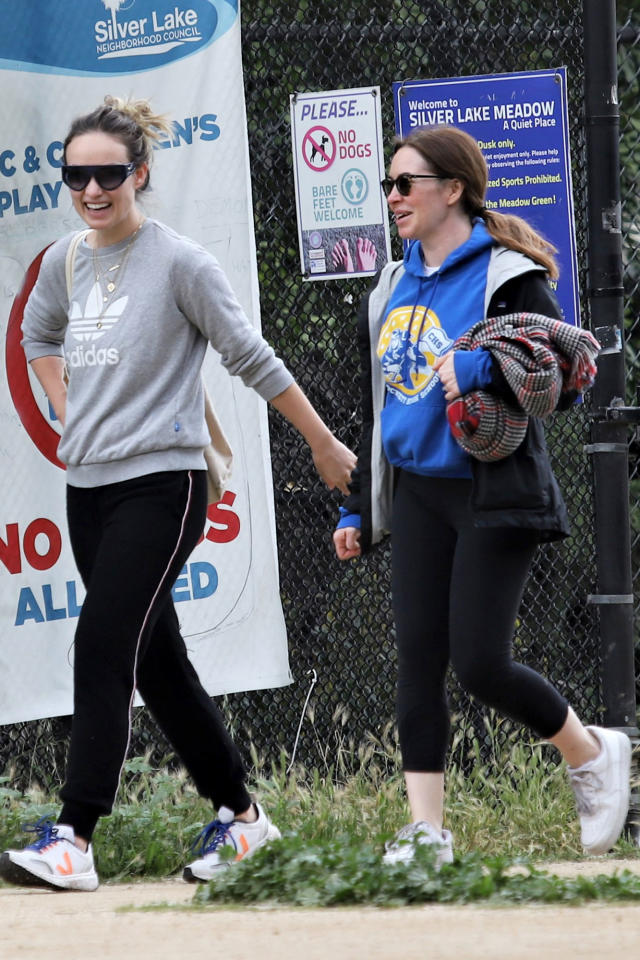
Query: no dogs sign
[[343, 229]]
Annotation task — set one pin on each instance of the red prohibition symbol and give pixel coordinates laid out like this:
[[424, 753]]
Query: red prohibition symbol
[[42, 433], [318, 148]]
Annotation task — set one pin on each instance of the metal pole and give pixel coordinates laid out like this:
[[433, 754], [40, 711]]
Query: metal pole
[[610, 416]]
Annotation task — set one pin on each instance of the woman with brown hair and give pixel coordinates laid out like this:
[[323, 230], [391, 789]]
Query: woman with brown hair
[[133, 442], [463, 531]]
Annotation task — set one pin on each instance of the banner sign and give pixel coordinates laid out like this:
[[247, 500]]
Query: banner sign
[[520, 121], [57, 61], [338, 162]]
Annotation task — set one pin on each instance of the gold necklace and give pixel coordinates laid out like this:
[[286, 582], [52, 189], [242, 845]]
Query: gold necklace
[[112, 283]]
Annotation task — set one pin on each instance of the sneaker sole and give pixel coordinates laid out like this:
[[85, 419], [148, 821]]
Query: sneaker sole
[[20, 876], [624, 764]]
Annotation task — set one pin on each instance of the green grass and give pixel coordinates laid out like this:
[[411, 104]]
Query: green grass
[[339, 873], [515, 808]]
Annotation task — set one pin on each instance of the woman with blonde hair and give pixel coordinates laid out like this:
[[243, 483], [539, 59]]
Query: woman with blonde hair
[[464, 530], [133, 438]]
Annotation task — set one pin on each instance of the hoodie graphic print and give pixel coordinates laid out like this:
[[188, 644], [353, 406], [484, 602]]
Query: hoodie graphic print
[[425, 316]]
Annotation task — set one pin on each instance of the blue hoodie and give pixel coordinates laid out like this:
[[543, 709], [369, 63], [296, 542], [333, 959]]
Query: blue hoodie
[[425, 316]]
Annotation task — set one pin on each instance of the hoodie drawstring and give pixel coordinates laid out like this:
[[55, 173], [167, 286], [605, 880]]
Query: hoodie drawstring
[[427, 308]]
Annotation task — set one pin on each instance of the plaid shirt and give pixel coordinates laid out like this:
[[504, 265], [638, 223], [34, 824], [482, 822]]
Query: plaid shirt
[[540, 358]]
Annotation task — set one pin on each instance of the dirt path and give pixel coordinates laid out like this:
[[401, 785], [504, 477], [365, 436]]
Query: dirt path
[[38, 924]]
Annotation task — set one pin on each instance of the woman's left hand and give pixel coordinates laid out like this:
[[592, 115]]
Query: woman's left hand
[[334, 462], [445, 367]]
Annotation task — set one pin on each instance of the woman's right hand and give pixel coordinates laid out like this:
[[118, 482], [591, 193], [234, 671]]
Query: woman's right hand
[[334, 462], [346, 540], [445, 367]]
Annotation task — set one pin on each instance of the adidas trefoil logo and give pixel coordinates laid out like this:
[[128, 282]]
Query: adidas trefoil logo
[[90, 325]]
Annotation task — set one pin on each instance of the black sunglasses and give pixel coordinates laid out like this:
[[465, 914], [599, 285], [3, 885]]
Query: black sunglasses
[[404, 181], [108, 176]]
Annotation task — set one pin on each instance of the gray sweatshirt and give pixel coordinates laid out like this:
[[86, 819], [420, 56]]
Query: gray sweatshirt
[[135, 401]]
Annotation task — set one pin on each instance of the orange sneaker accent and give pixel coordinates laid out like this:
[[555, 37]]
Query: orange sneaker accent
[[244, 845], [67, 870]]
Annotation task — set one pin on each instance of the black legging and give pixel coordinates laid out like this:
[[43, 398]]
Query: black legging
[[456, 591], [130, 540]]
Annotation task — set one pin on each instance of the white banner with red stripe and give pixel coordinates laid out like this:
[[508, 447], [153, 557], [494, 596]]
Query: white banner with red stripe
[[58, 60]]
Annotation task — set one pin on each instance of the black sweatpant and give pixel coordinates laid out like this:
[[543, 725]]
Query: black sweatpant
[[130, 540], [456, 591]]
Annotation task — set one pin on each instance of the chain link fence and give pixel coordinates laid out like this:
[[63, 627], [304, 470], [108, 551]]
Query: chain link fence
[[629, 88], [338, 615]]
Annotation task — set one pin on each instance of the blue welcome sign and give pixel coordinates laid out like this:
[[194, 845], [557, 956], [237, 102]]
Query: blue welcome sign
[[520, 121], [108, 36]]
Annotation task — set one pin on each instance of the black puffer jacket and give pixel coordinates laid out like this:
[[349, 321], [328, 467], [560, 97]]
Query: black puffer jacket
[[519, 491]]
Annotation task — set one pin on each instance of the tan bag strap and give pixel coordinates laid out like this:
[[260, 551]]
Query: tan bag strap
[[217, 434], [218, 454], [69, 264], [70, 259]]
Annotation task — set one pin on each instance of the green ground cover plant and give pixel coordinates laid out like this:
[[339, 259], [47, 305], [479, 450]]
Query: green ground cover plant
[[506, 817], [339, 873]]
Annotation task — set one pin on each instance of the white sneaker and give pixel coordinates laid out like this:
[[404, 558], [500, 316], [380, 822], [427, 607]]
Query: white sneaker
[[53, 860], [602, 788], [403, 847], [245, 838]]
